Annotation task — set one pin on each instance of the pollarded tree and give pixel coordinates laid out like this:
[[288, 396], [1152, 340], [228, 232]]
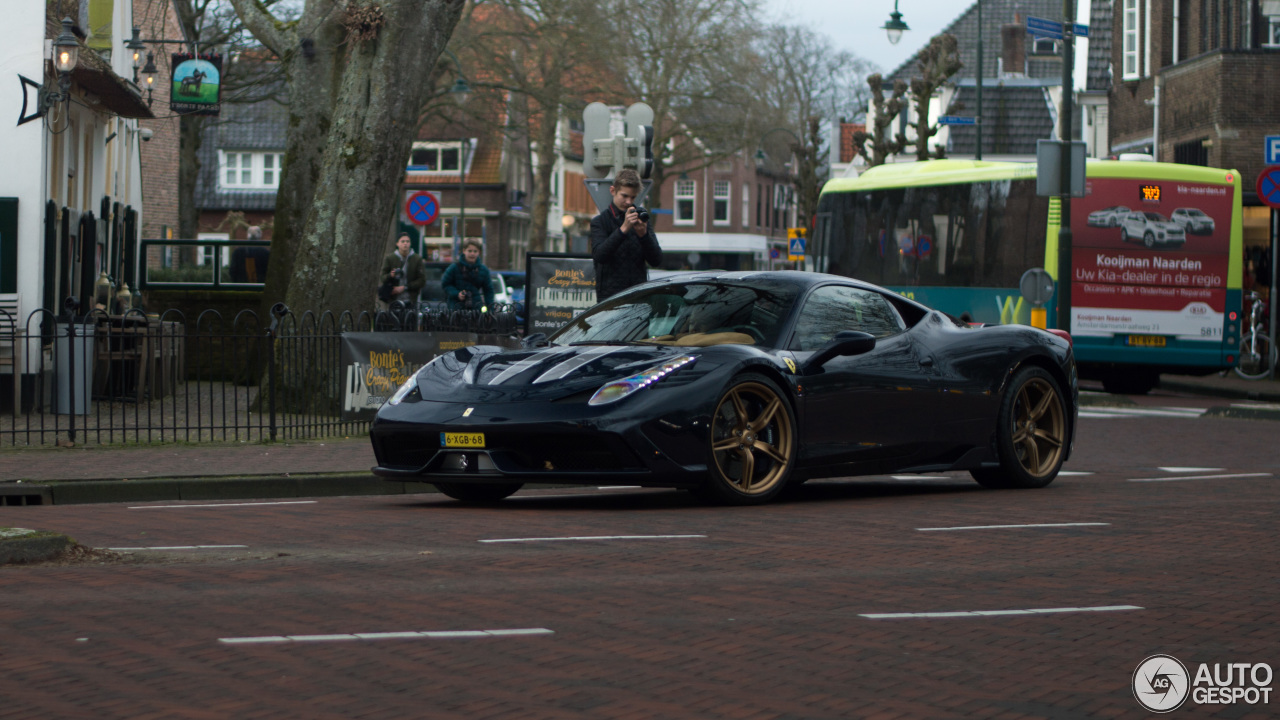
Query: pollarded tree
[[358, 72], [877, 145], [939, 60]]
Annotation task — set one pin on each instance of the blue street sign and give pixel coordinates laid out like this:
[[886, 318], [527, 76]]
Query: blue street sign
[[1081, 30], [1044, 28], [957, 120], [797, 246], [1271, 148]]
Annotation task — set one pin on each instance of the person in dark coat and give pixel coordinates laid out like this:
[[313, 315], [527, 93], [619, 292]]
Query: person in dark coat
[[402, 275], [467, 285], [621, 243]]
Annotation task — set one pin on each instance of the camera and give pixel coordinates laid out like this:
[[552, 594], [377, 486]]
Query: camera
[[641, 214]]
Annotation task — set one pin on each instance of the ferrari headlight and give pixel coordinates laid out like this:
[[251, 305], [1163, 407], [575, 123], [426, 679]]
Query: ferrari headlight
[[618, 389], [404, 390]]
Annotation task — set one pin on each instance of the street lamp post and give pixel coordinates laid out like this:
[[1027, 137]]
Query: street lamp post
[[894, 27], [977, 125], [460, 92]]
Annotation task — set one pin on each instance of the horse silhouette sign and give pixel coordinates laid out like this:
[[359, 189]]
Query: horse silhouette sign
[[197, 84]]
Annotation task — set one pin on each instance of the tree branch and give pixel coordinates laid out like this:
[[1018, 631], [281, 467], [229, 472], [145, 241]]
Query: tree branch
[[270, 31]]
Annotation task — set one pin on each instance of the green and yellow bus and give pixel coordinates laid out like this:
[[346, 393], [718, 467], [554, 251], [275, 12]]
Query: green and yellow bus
[[1156, 258]]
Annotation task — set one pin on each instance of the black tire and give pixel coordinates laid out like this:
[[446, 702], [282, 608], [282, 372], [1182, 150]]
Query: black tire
[[1124, 236], [479, 494], [752, 443], [1149, 240], [1031, 433], [1256, 356], [1130, 382]]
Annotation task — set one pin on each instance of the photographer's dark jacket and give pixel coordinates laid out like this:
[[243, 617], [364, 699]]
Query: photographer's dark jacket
[[471, 277], [620, 259], [415, 275]]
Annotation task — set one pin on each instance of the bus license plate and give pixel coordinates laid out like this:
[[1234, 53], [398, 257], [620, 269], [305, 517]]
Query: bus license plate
[[461, 440], [1147, 340]]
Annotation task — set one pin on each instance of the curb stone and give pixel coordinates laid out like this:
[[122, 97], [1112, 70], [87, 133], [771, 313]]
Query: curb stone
[[20, 545]]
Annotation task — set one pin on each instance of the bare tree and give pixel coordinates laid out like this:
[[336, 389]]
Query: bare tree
[[357, 74], [547, 52], [676, 55], [939, 60], [806, 86], [877, 145]]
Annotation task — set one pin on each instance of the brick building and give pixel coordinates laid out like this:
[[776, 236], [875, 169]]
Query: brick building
[[157, 21], [1193, 81]]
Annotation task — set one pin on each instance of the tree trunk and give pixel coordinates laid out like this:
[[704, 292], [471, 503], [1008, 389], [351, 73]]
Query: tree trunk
[[190, 137], [548, 153], [355, 91]]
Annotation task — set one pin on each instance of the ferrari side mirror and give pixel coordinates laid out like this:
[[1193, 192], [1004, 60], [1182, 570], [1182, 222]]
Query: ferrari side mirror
[[845, 343]]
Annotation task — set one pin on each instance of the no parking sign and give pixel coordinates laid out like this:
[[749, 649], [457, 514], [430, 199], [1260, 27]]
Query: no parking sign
[[422, 208]]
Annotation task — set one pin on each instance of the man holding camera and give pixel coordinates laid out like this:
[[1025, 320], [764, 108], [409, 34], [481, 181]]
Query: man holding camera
[[402, 276], [621, 241]]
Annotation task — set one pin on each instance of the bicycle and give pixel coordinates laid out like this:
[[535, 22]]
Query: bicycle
[[1257, 351]]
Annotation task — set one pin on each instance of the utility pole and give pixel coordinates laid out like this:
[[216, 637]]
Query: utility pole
[[1064, 223]]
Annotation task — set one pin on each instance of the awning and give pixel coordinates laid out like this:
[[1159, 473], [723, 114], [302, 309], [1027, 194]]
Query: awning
[[112, 92]]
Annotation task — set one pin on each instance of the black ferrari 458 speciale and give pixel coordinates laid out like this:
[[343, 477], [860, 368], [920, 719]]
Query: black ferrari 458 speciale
[[734, 385]]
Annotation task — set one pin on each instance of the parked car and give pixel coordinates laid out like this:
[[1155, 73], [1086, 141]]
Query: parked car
[[1108, 217], [1193, 220], [432, 298], [515, 281], [1151, 228], [734, 385]]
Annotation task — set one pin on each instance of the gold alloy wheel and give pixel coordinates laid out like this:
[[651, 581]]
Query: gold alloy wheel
[[1039, 427], [752, 438]]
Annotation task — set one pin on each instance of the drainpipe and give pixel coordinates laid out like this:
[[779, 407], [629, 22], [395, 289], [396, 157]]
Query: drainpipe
[[1154, 102], [1177, 19]]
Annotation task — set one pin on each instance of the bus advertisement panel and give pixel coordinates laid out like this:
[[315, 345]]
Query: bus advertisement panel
[[1150, 260]]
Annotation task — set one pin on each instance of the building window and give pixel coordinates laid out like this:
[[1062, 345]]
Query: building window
[[1130, 47], [720, 203], [1192, 153], [437, 157], [759, 205], [251, 170], [686, 191], [1273, 28], [746, 205]]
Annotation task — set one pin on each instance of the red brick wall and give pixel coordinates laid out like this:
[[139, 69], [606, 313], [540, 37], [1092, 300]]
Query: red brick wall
[[160, 154]]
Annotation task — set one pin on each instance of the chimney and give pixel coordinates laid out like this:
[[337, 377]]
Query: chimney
[[1013, 48]]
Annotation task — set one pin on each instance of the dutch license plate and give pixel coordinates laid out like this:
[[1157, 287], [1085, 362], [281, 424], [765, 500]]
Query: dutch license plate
[[1146, 340], [461, 440]]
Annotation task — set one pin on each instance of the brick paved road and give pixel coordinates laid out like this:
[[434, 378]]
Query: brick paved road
[[762, 618]]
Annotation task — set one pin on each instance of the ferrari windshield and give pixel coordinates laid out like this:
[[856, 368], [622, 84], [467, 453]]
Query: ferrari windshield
[[687, 314]]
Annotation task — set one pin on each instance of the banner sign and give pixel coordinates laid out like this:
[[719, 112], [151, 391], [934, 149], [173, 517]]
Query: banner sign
[[376, 364], [559, 287], [1150, 257], [197, 84]]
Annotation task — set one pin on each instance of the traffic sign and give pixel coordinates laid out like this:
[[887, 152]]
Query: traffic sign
[[795, 244], [1271, 148], [422, 208], [1040, 27], [957, 120], [1269, 186]]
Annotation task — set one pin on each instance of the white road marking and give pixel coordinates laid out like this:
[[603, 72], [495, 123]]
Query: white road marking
[[1200, 477], [221, 505], [1190, 469], [921, 477], [620, 487], [988, 613], [179, 547], [590, 537], [1183, 412], [1075, 472], [436, 634], [1002, 527]]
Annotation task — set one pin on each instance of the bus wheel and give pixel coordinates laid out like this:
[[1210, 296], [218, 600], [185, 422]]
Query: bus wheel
[[1130, 382], [1149, 240]]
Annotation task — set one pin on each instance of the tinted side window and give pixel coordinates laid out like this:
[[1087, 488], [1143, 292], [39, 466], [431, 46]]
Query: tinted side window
[[831, 309]]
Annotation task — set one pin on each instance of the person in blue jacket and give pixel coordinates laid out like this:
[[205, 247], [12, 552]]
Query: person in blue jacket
[[466, 282]]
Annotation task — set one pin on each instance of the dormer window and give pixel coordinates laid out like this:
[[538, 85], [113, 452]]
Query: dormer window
[[438, 157]]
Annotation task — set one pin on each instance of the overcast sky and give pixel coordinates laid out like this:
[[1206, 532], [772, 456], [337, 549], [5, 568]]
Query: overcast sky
[[855, 25]]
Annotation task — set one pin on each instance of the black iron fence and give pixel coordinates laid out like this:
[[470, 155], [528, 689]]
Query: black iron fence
[[145, 378]]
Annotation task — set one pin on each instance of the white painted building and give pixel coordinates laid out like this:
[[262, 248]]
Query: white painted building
[[71, 190]]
